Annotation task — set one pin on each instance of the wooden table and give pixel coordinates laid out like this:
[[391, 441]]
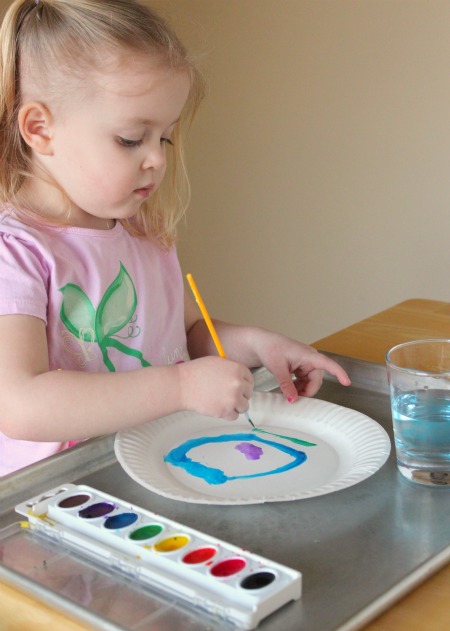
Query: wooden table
[[425, 609], [370, 339]]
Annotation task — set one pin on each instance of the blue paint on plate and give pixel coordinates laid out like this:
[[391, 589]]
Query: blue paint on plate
[[179, 458]]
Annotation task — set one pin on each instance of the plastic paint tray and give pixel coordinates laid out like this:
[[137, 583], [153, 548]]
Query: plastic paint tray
[[230, 585]]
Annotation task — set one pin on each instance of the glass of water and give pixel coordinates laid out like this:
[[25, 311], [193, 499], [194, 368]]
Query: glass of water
[[419, 386]]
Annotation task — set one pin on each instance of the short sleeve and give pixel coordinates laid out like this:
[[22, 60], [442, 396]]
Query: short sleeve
[[23, 277]]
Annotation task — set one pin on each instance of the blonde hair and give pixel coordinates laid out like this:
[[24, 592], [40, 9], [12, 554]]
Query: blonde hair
[[69, 34]]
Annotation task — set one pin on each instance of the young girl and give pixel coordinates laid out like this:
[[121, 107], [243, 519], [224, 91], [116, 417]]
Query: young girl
[[95, 328]]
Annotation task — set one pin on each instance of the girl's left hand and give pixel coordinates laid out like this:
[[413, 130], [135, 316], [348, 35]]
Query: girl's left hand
[[284, 357]]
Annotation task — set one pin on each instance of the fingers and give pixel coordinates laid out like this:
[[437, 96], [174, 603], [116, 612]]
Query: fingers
[[288, 388], [309, 385], [328, 364], [216, 387], [308, 371], [230, 413]]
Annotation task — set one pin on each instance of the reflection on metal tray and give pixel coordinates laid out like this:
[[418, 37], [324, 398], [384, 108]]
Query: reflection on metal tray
[[359, 549]]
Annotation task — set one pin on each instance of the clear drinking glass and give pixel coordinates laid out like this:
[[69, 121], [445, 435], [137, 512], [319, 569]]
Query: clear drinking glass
[[419, 386]]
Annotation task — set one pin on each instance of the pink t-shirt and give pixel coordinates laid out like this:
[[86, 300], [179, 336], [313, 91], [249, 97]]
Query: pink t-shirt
[[110, 301]]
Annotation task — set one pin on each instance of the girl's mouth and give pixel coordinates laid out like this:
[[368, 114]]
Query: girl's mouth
[[145, 191]]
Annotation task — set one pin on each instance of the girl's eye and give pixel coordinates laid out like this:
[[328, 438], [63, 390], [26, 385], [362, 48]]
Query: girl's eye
[[166, 141], [125, 142]]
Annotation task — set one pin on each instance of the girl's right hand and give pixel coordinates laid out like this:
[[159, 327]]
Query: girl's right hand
[[215, 387]]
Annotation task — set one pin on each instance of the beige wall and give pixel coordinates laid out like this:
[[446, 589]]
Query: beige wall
[[320, 161]]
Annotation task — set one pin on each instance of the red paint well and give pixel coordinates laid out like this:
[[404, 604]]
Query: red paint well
[[200, 555], [228, 567]]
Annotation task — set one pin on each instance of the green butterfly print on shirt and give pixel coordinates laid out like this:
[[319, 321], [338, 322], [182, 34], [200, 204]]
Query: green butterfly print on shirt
[[99, 325]]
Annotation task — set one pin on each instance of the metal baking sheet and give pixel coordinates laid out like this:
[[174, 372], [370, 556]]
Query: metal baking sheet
[[359, 549]]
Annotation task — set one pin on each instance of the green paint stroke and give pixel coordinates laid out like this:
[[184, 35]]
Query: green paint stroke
[[294, 440]]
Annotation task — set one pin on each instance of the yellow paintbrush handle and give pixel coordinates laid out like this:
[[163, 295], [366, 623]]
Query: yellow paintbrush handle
[[205, 315], [210, 326]]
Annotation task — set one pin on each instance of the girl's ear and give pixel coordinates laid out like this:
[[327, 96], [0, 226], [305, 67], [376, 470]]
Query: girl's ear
[[35, 122]]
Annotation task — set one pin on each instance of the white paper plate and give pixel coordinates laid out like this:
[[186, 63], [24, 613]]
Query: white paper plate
[[227, 463]]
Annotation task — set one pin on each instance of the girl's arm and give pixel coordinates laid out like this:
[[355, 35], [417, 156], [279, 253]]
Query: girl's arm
[[42, 405], [256, 347]]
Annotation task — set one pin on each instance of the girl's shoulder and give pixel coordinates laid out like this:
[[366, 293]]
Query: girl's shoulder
[[11, 224], [19, 239], [15, 224], [51, 239]]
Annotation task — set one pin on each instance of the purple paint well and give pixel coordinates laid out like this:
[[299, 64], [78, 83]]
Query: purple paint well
[[250, 451], [97, 510]]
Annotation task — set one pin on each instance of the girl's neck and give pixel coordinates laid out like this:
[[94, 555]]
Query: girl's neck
[[47, 201]]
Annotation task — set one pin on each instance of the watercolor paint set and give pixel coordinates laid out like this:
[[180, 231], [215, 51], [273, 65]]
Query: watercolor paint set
[[214, 577]]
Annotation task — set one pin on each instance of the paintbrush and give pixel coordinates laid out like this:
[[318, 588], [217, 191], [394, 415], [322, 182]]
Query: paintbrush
[[210, 325]]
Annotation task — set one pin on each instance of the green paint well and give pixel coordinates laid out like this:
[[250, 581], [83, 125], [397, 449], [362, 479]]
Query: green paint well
[[146, 532]]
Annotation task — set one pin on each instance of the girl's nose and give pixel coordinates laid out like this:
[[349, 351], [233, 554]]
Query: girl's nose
[[155, 157]]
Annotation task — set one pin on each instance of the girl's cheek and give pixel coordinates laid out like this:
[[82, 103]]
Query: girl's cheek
[[161, 175]]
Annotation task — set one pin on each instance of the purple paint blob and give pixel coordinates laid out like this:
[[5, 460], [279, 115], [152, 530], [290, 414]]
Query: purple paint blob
[[250, 451]]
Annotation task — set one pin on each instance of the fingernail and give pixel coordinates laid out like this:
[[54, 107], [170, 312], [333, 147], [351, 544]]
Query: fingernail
[[290, 399]]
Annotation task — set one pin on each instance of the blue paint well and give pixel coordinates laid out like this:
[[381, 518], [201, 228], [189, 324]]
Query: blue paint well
[[178, 457], [122, 520]]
